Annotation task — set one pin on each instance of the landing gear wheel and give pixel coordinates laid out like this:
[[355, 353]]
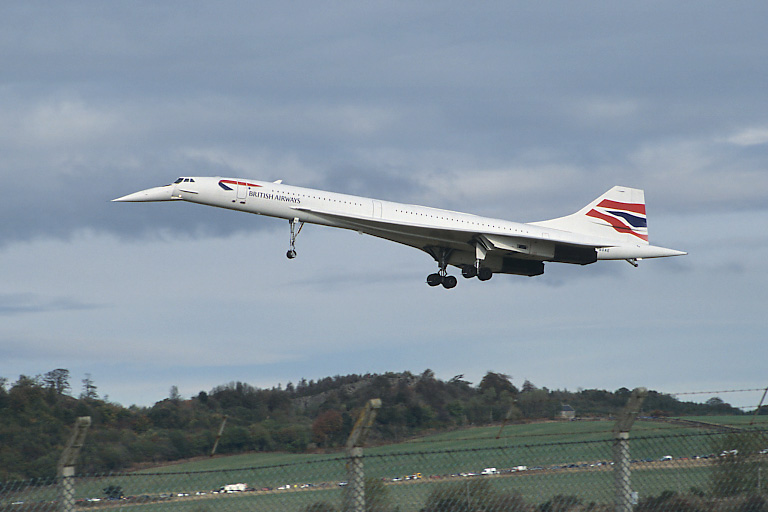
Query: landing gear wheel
[[434, 279], [484, 274], [294, 233], [449, 282], [468, 271], [441, 255]]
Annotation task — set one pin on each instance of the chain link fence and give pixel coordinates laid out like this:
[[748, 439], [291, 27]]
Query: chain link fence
[[705, 471]]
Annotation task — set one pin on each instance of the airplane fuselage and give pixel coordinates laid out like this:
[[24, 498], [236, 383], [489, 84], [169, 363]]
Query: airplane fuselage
[[452, 238], [291, 202]]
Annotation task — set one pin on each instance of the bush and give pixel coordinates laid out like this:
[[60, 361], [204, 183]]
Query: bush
[[560, 503], [670, 500], [737, 469], [473, 496], [319, 506], [754, 503]]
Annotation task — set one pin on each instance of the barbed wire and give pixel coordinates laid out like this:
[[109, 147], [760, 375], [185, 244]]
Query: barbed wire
[[716, 392]]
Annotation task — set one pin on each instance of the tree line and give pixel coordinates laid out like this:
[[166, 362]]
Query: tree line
[[37, 414]]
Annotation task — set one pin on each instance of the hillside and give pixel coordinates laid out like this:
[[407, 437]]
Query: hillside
[[36, 416]]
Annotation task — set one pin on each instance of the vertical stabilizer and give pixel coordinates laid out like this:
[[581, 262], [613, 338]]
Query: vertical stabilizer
[[619, 215]]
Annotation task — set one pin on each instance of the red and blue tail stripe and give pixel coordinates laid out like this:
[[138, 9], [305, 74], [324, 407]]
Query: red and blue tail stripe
[[623, 217]]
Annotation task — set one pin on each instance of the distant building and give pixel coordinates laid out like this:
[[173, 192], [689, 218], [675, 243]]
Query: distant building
[[567, 412]]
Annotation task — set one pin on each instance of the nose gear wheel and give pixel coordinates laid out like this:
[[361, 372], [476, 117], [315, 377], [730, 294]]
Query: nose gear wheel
[[294, 233]]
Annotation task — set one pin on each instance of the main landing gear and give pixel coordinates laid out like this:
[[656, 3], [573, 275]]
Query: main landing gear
[[441, 277], [482, 273], [467, 271], [294, 233], [441, 255]]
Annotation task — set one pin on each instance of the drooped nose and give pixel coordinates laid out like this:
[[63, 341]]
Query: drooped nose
[[151, 194]]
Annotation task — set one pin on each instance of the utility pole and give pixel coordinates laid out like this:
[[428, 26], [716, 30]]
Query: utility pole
[[66, 466], [218, 436], [624, 497], [507, 417], [355, 499]]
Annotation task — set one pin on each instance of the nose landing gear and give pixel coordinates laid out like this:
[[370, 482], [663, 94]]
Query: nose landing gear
[[294, 233]]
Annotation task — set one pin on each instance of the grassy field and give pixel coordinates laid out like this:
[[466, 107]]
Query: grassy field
[[536, 487], [536, 445], [469, 438], [546, 449], [472, 449], [548, 443], [735, 421]]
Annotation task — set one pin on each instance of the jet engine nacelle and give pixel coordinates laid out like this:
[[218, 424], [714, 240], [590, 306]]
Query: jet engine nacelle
[[520, 267]]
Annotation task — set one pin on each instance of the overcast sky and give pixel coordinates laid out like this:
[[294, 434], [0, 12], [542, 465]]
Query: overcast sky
[[517, 110]]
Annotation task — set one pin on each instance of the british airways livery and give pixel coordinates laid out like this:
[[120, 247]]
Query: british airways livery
[[612, 227]]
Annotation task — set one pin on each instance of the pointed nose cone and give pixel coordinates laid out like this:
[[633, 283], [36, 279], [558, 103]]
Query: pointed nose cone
[[151, 194]]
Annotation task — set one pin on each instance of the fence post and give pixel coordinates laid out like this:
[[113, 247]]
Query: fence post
[[67, 490], [621, 473], [355, 481], [355, 497], [66, 466]]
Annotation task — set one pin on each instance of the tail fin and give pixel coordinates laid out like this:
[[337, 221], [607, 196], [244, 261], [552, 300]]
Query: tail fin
[[619, 214]]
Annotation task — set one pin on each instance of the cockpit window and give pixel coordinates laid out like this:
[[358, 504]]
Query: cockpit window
[[179, 180]]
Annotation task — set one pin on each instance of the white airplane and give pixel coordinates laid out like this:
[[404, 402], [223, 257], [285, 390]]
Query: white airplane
[[612, 227]]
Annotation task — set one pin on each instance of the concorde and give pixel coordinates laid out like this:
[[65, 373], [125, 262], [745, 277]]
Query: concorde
[[612, 227]]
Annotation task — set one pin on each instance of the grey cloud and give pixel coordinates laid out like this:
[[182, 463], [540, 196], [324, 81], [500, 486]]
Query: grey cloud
[[372, 180], [406, 103], [29, 303], [519, 111]]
